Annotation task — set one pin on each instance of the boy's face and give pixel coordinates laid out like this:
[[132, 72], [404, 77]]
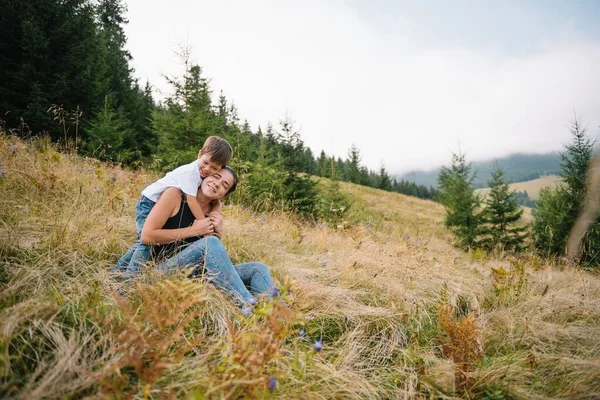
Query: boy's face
[[207, 167]]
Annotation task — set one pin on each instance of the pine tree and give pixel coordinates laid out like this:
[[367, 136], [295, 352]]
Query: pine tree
[[352, 169], [558, 208], [383, 180], [105, 134], [501, 215], [462, 204]]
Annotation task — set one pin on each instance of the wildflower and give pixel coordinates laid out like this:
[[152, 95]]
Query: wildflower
[[262, 221], [274, 292], [252, 301], [324, 263], [321, 225], [247, 311], [272, 383], [318, 346], [406, 236], [302, 332], [13, 150]]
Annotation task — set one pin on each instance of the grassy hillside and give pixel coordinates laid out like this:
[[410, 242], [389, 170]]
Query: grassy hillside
[[532, 187], [400, 312]]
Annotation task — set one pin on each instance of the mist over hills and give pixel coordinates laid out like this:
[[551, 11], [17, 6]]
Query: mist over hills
[[517, 167]]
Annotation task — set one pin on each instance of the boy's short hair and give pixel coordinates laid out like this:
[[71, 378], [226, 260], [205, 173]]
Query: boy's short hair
[[217, 149]]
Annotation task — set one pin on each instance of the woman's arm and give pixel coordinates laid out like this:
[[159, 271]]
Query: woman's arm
[[152, 232]]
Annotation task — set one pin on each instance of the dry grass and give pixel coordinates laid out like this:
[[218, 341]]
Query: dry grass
[[532, 187], [373, 293]]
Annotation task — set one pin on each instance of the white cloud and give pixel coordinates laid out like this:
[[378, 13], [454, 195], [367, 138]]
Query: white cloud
[[345, 81]]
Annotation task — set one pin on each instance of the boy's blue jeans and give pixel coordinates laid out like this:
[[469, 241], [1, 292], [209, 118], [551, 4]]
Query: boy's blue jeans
[[209, 256], [139, 253]]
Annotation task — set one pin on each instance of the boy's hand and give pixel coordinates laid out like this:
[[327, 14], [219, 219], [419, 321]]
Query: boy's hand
[[203, 227], [217, 218]]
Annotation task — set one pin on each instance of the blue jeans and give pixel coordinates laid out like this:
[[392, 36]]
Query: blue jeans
[[132, 261], [208, 255]]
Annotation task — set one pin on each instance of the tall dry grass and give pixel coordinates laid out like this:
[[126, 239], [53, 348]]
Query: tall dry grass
[[400, 312]]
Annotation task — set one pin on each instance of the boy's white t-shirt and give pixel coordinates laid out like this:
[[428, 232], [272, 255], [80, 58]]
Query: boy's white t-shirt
[[186, 178]]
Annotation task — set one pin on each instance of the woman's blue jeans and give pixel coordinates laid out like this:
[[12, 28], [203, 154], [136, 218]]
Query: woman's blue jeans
[[208, 255]]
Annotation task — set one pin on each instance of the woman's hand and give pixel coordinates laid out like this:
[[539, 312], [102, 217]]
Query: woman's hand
[[203, 227]]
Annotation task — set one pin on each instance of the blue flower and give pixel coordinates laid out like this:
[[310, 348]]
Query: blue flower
[[274, 292], [247, 311], [272, 383], [302, 332], [252, 301], [318, 345]]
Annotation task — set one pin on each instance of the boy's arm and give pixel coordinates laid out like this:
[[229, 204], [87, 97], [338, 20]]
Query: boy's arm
[[194, 207], [216, 217], [216, 206]]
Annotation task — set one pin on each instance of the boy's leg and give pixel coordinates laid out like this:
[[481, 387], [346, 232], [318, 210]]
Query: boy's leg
[[220, 271], [123, 262], [141, 252], [255, 276]]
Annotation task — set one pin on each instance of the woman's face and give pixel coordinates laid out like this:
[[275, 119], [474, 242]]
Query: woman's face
[[216, 186]]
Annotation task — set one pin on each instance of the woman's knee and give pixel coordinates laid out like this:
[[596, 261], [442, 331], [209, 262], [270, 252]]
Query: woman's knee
[[213, 241], [258, 268]]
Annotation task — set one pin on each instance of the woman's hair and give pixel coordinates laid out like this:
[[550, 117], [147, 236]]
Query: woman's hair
[[235, 180]]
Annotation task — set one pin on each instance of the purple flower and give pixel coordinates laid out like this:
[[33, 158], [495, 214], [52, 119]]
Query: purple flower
[[302, 332], [252, 301], [247, 311], [274, 292], [318, 346], [13, 150], [272, 383]]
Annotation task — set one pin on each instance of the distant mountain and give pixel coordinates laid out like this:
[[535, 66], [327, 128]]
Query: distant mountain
[[518, 167]]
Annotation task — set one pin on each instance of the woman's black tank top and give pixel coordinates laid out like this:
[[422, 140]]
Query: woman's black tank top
[[183, 219]]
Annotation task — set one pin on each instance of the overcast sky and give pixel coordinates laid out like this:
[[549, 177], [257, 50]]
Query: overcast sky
[[405, 81]]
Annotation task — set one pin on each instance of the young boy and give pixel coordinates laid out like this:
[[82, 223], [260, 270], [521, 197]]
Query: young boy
[[214, 154]]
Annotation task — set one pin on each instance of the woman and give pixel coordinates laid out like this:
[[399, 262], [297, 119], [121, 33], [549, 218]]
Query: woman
[[180, 241]]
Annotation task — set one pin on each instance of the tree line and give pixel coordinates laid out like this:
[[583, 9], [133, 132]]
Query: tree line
[[495, 222], [65, 71]]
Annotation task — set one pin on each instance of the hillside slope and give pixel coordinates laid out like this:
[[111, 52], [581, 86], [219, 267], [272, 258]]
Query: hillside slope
[[400, 312], [532, 187]]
